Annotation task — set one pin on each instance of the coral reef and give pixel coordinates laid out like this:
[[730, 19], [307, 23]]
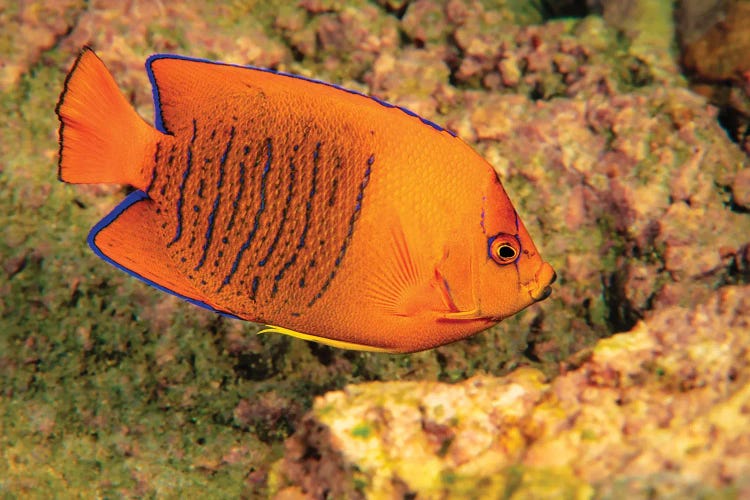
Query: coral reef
[[625, 176], [715, 39], [659, 410]]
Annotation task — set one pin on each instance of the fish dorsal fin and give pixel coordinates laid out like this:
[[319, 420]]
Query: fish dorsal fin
[[185, 88], [128, 238], [404, 284]]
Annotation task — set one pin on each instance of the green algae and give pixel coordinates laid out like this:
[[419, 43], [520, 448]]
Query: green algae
[[75, 375], [93, 397], [363, 431]]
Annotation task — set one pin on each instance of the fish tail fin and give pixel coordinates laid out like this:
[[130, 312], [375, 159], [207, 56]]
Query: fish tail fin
[[102, 138]]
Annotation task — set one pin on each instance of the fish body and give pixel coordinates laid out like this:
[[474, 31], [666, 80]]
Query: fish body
[[329, 214]]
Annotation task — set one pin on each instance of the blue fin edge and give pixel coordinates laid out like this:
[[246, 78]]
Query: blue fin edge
[[129, 201], [159, 122]]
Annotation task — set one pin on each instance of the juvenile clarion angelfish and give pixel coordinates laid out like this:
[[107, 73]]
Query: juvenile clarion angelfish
[[277, 199]]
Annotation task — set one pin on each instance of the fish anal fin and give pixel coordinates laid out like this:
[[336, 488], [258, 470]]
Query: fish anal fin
[[129, 239]]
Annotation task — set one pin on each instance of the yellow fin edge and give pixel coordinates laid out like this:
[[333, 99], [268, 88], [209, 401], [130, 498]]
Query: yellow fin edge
[[331, 342]]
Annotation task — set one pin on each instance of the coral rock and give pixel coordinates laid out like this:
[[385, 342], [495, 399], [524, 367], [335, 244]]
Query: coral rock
[[667, 398]]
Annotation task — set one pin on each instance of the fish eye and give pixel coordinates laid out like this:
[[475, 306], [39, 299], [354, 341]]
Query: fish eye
[[504, 249]]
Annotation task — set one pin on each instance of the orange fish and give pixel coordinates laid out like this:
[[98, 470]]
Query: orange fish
[[282, 200]]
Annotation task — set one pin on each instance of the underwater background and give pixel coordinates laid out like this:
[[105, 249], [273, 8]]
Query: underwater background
[[620, 131]]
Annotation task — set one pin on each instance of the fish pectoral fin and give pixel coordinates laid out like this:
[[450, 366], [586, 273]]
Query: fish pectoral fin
[[445, 292], [403, 284], [128, 238], [341, 344], [454, 313]]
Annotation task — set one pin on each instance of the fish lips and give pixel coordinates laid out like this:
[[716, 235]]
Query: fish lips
[[544, 278]]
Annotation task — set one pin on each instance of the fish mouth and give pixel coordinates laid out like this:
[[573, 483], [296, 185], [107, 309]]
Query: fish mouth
[[538, 289], [541, 286]]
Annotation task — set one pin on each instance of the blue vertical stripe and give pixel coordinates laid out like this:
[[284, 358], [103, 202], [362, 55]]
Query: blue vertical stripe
[[254, 287], [284, 212], [310, 196], [238, 197], [258, 213], [157, 154], [350, 233], [217, 202], [185, 175]]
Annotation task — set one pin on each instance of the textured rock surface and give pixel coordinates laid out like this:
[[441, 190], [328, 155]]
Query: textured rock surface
[[659, 410], [715, 40]]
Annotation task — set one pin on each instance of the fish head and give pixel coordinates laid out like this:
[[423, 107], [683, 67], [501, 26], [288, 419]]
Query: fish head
[[512, 274], [506, 271]]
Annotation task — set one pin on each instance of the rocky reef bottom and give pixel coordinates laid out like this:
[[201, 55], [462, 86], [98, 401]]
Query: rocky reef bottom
[[663, 409]]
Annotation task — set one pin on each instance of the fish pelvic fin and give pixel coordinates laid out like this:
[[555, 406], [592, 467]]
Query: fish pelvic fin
[[102, 138], [341, 344]]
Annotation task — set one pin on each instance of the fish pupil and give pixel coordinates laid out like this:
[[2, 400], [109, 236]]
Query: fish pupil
[[506, 252]]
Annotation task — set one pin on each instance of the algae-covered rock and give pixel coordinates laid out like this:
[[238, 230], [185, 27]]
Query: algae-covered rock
[[28, 30], [659, 410], [633, 192], [715, 39]]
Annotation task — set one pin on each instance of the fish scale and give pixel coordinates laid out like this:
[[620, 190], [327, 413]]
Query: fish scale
[[329, 215], [285, 220]]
